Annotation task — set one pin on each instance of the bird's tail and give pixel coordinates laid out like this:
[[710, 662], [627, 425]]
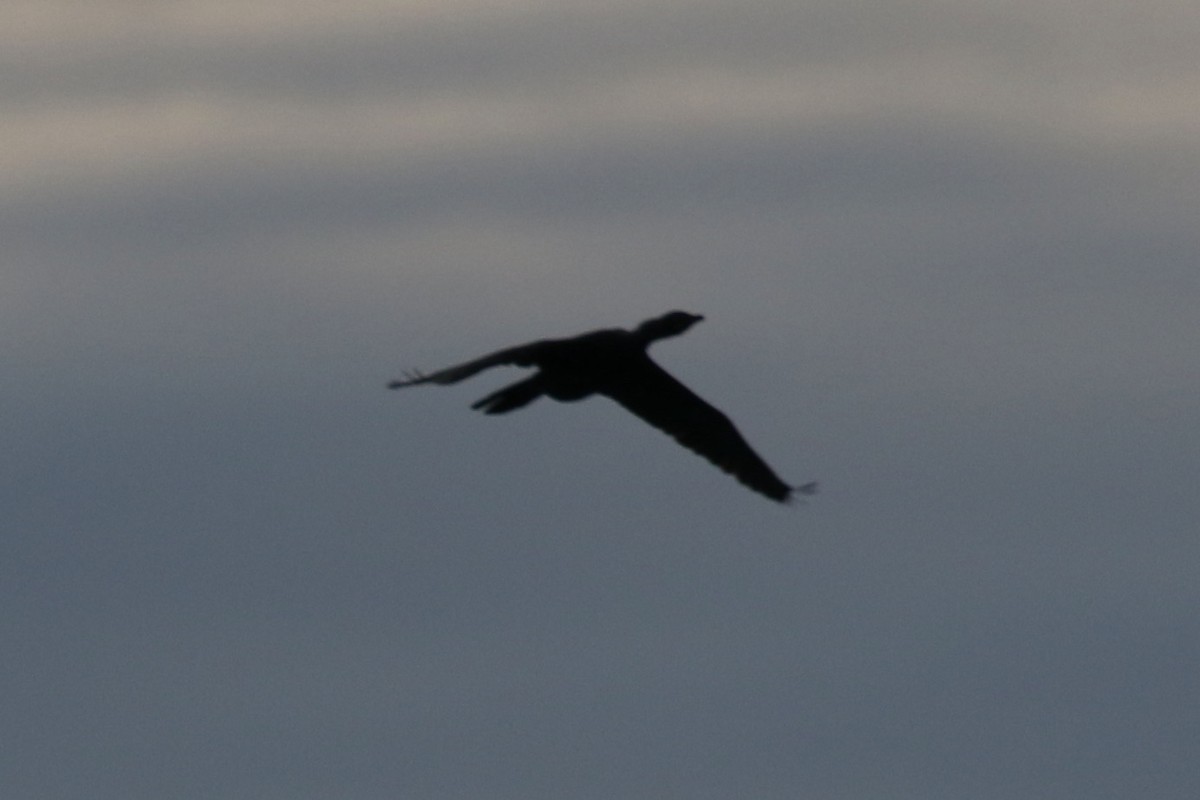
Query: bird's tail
[[519, 394]]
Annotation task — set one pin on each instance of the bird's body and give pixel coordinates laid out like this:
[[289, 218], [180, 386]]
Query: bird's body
[[614, 362]]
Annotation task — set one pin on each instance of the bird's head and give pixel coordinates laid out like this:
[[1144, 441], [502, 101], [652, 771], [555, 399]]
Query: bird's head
[[672, 323]]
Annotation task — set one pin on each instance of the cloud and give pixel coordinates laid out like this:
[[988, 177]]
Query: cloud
[[947, 255], [167, 86]]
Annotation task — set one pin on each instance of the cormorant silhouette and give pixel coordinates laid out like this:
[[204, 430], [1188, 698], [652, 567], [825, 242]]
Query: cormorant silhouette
[[613, 362]]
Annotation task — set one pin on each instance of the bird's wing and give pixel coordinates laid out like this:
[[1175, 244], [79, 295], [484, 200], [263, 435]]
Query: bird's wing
[[661, 400], [524, 355]]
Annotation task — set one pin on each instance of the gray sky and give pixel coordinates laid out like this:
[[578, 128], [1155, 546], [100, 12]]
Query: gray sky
[[948, 256]]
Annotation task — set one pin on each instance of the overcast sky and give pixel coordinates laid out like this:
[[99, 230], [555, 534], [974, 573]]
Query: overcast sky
[[949, 260]]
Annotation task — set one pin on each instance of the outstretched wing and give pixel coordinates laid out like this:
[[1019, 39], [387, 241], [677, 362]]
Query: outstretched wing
[[524, 355], [658, 398]]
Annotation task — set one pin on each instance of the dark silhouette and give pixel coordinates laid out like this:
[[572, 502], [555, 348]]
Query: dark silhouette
[[614, 362]]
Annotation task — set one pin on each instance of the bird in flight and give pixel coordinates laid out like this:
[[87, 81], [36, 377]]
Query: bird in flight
[[613, 362]]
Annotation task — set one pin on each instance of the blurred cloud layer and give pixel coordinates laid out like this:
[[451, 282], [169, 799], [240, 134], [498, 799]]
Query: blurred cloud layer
[[948, 256]]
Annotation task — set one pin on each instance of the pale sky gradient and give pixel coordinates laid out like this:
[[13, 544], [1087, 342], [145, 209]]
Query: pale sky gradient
[[950, 267]]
